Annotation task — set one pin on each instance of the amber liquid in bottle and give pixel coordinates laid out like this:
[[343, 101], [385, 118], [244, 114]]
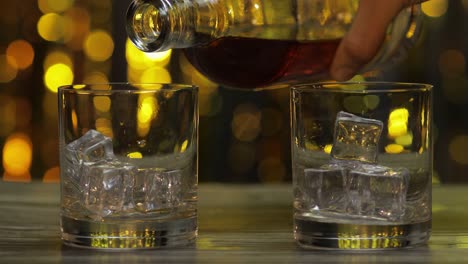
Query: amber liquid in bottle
[[255, 63]]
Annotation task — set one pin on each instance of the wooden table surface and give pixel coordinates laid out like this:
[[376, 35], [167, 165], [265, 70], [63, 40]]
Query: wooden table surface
[[237, 224]]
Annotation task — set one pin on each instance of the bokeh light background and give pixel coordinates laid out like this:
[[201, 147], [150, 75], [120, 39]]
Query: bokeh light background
[[244, 136]]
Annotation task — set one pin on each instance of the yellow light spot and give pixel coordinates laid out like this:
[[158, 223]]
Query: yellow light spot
[[435, 8], [8, 69], [59, 5], [398, 122], [8, 121], [52, 175], [404, 140], [140, 60], [104, 126], [397, 128], [99, 45], [354, 104], [102, 103], [54, 27], [17, 154], [80, 26], [44, 6], [184, 146], [457, 149], [135, 155], [246, 122], [156, 75], [371, 101], [394, 148], [22, 52], [58, 75], [147, 110], [79, 86], [311, 146], [74, 119], [328, 148], [57, 57], [95, 78]]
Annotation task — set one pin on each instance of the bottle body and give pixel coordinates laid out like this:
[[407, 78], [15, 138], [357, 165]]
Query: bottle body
[[251, 44]]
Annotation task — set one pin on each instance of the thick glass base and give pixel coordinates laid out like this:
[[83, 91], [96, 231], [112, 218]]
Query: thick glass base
[[129, 234], [313, 234]]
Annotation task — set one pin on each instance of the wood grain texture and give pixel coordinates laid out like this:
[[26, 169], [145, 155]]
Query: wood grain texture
[[238, 224]]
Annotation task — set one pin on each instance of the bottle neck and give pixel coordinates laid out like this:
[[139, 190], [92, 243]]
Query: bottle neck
[[158, 25]]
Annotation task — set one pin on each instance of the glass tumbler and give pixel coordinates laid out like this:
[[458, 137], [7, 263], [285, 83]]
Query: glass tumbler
[[128, 165], [362, 159]]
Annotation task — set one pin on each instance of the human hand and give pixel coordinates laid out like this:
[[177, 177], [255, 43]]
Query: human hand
[[366, 35]]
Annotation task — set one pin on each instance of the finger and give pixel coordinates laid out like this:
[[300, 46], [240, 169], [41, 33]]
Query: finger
[[365, 37]]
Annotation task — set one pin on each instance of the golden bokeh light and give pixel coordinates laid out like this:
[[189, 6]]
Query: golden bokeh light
[[147, 111], [140, 60], [435, 8], [23, 53], [457, 149], [44, 6], [155, 75], [398, 122], [246, 122], [8, 116], [371, 101], [56, 57], [80, 27], [210, 100], [102, 103], [59, 5], [328, 148], [405, 140], [52, 175], [17, 155], [8, 69], [95, 78], [104, 125], [99, 45], [58, 75], [394, 148], [354, 104], [54, 27], [135, 155]]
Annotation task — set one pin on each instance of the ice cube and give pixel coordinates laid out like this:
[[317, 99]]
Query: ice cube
[[377, 192], [325, 187], [156, 189], [106, 187], [356, 138], [91, 147]]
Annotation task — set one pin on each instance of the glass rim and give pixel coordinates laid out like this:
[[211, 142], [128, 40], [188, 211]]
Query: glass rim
[[371, 86], [84, 88]]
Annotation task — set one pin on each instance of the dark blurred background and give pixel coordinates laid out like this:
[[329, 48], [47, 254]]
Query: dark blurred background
[[244, 136]]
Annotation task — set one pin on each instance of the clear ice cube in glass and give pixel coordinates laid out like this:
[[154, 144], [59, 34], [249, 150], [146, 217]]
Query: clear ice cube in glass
[[93, 146], [356, 138], [377, 192], [156, 189], [106, 187], [325, 187]]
